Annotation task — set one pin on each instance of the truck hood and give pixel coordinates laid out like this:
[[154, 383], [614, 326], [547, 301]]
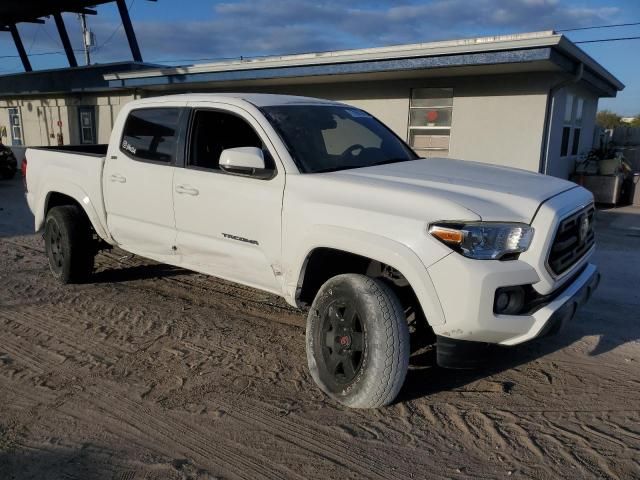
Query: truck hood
[[493, 193]]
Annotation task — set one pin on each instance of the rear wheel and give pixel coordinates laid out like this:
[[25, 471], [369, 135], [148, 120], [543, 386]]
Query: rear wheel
[[69, 244], [358, 341]]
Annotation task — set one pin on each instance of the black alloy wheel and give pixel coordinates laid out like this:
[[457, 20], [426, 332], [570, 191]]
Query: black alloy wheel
[[357, 341], [344, 343]]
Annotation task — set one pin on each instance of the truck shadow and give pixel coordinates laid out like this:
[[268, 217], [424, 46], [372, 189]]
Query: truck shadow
[[137, 272], [600, 320]]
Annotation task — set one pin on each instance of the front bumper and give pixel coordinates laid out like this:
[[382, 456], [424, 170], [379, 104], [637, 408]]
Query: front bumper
[[549, 320], [466, 290]]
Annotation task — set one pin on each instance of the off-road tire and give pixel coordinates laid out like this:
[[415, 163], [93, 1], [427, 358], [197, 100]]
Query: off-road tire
[[69, 244], [384, 360]]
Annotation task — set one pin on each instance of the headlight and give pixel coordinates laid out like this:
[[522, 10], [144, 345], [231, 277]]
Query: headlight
[[484, 240]]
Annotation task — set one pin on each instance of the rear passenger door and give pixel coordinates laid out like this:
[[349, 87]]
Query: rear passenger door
[[228, 225], [138, 181]]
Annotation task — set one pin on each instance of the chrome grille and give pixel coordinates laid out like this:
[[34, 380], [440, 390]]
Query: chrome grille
[[572, 241]]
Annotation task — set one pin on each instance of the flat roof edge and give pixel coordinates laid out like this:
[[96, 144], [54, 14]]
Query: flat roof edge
[[570, 48], [364, 67], [447, 47]]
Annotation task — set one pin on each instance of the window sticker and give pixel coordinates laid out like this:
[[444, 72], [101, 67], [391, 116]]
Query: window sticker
[[128, 147]]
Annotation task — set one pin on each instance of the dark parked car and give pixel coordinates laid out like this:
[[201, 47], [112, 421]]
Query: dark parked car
[[8, 163]]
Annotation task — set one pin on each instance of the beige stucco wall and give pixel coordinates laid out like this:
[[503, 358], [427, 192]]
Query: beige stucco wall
[[40, 117], [499, 122], [496, 119]]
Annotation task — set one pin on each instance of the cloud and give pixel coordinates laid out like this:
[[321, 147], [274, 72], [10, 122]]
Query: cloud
[[263, 27]]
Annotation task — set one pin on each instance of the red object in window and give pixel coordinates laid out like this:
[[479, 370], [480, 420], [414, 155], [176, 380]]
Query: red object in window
[[432, 116]]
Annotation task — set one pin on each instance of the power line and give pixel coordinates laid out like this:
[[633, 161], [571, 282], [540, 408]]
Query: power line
[[619, 39], [611, 25], [37, 54], [241, 57], [116, 30], [56, 41]]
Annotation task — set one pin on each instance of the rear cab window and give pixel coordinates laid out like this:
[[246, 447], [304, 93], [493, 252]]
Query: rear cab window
[[151, 134]]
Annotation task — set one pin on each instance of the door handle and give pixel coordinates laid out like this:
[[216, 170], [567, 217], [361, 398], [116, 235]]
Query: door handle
[[186, 189], [118, 178]]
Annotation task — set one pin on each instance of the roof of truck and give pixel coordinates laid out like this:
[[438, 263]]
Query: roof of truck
[[257, 99]]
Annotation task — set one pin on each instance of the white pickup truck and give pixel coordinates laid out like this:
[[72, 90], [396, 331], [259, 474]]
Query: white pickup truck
[[320, 203]]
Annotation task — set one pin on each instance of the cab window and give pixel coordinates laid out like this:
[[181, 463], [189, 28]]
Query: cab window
[[214, 131], [151, 134]]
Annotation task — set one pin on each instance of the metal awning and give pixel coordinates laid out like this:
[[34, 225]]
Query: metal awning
[[35, 11]]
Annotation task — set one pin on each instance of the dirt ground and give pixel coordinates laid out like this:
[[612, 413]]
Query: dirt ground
[[154, 372]]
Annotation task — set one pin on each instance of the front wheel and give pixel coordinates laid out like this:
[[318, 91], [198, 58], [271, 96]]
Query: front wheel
[[358, 341], [69, 244]]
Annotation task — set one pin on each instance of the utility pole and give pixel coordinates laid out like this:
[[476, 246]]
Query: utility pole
[[88, 39]]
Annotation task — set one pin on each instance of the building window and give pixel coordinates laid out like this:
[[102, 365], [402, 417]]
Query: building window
[[573, 110], [576, 142], [564, 147], [430, 112], [568, 109], [86, 116], [16, 126]]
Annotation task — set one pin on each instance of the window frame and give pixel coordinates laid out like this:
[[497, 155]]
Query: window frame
[[90, 109], [443, 128], [190, 126], [574, 123], [178, 157]]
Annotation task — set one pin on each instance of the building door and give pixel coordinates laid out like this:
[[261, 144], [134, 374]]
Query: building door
[[87, 117], [16, 126]]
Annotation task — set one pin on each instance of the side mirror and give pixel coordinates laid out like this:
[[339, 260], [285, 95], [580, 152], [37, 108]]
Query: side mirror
[[242, 160]]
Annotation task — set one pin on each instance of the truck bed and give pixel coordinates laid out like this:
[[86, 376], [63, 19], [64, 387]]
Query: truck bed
[[74, 171], [94, 150]]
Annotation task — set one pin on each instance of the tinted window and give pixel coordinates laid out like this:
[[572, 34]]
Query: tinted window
[[214, 132], [576, 142], [324, 138], [150, 134], [564, 146]]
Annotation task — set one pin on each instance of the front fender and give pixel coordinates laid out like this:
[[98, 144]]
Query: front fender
[[375, 247]]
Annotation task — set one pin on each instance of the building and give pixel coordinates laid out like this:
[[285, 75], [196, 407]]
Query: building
[[527, 101]]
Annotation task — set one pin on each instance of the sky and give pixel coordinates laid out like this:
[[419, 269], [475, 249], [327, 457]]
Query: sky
[[196, 31]]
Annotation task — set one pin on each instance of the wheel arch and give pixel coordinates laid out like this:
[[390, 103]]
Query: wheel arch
[[70, 195], [360, 251]]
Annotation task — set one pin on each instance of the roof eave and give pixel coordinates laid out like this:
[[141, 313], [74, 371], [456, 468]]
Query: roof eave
[[571, 49]]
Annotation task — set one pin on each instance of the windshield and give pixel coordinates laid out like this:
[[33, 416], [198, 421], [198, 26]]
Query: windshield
[[326, 138]]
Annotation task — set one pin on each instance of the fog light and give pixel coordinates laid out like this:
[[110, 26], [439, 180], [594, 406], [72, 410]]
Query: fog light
[[508, 300]]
